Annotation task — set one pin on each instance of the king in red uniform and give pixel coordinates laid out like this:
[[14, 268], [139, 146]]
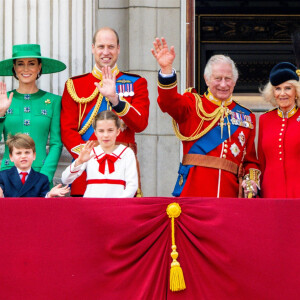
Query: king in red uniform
[[217, 133], [126, 94]]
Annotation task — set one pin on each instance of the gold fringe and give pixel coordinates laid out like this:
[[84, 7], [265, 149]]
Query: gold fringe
[[177, 282]]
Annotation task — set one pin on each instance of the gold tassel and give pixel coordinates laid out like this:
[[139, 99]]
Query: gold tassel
[[177, 282], [139, 193]]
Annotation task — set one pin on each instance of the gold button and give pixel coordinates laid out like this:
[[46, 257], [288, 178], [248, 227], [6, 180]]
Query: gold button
[[280, 140], [283, 120], [282, 129], [280, 152], [225, 150], [280, 133], [224, 156], [283, 125], [280, 158], [226, 146], [225, 141], [279, 146]]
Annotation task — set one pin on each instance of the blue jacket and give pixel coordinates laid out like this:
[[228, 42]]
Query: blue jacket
[[36, 185]]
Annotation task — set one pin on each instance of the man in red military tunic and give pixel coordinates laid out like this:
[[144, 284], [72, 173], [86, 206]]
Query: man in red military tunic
[[217, 133], [82, 101]]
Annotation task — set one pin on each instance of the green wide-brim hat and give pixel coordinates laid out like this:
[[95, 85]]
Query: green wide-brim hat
[[49, 65]]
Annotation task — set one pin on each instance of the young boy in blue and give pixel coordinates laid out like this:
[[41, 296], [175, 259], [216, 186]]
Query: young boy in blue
[[21, 180]]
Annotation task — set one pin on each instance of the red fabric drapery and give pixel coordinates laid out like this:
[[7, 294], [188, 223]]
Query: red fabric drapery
[[75, 248]]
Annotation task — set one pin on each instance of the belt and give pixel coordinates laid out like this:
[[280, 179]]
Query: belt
[[210, 162]]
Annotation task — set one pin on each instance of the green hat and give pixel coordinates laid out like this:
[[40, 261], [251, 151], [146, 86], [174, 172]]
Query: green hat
[[49, 65]]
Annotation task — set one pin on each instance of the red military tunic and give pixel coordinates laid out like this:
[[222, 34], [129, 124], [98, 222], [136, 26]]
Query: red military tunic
[[204, 181], [278, 153], [132, 109]]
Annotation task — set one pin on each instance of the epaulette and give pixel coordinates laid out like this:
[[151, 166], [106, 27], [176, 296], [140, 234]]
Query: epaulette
[[191, 90], [275, 108], [131, 74], [79, 76], [242, 106]]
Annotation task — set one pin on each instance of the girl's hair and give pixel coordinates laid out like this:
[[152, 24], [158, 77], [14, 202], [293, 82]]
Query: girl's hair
[[268, 92], [20, 141], [106, 115], [14, 72]]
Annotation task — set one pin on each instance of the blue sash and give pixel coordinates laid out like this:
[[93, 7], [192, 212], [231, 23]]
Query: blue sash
[[105, 105], [204, 145]]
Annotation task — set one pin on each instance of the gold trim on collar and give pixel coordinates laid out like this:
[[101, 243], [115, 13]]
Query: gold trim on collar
[[288, 114], [216, 101], [98, 74]]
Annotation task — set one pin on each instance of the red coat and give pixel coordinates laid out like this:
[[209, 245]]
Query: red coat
[[136, 118], [278, 153], [202, 181]]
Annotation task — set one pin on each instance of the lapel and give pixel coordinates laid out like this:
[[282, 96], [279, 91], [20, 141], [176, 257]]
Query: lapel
[[30, 181], [14, 178]]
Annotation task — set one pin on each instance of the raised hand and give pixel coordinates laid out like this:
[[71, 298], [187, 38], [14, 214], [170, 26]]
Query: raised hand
[[107, 87], [4, 101], [85, 153], [1, 193], [163, 55], [59, 191]]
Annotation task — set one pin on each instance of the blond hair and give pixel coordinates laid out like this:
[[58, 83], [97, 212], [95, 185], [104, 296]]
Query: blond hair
[[268, 92]]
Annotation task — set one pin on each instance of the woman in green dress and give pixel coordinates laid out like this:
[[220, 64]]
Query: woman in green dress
[[29, 110]]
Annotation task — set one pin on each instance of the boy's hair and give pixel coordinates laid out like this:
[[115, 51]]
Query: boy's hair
[[20, 141], [106, 115]]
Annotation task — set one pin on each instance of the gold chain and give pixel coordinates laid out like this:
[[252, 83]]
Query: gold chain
[[215, 116], [72, 92], [93, 115]]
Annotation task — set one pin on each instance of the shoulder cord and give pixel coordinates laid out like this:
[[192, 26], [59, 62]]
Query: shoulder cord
[[215, 116], [72, 92]]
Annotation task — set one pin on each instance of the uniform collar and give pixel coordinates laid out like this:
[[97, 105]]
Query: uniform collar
[[98, 74], [216, 101], [288, 114]]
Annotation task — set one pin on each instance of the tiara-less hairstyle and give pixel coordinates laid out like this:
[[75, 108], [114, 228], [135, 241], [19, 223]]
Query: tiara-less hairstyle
[[20, 141], [268, 92], [219, 58], [107, 115], [106, 28], [38, 75]]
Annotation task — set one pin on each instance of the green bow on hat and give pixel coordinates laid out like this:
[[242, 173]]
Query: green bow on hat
[[49, 65]]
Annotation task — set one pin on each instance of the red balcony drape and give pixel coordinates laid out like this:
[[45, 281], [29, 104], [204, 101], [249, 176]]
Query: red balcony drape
[[76, 248]]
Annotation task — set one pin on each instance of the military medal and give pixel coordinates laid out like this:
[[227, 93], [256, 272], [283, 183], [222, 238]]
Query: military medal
[[126, 93], [242, 138], [131, 92], [240, 119], [235, 150], [120, 91]]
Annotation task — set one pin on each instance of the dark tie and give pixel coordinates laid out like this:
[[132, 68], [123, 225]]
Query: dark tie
[[110, 161], [24, 174]]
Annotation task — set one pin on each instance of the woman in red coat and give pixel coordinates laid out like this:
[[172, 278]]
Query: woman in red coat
[[279, 134]]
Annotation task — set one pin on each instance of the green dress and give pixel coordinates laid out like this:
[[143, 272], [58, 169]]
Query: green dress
[[37, 115]]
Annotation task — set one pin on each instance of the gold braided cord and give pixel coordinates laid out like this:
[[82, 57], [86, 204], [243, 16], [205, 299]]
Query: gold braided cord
[[72, 92], [204, 116], [93, 115]]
